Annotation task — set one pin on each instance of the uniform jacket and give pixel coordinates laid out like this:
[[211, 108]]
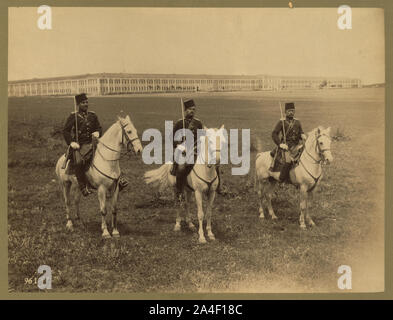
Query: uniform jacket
[[293, 132], [87, 124], [192, 124]]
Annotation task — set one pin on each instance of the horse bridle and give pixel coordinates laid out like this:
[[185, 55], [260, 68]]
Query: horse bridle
[[318, 150], [123, 134]]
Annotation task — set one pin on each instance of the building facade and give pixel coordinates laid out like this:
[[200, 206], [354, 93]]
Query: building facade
[[122, 83]]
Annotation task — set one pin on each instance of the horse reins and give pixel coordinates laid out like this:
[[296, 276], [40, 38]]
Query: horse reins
[[117, 151], [209, 183], [320, 152]]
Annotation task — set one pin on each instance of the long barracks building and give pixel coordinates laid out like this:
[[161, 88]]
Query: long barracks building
[[101, 84]]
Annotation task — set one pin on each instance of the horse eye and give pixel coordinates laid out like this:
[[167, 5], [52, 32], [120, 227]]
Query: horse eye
[[129, 131], [321, 142]]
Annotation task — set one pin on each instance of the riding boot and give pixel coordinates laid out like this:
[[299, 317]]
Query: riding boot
[[273, 154], [180, 181], [219, 190], [174, 169], [81, 177], [122, 182], [284, 174]]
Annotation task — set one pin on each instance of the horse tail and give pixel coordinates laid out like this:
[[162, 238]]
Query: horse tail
[[159, 177], [59, 164], [258, 145]]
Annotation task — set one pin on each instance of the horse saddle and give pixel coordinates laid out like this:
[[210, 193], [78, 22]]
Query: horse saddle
[[186, 171], [279, 157], [82, 157]]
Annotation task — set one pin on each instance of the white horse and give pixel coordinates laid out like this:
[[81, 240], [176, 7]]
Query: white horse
[[202, 179], [306, 175], [103, 173]]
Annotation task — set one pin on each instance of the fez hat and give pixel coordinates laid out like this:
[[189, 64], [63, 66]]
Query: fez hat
[[289, 106], [80, 97], [188, 104]]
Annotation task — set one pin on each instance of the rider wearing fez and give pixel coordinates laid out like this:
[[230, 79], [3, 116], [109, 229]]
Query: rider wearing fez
[[88, 127], [181, 171], [294, 135]]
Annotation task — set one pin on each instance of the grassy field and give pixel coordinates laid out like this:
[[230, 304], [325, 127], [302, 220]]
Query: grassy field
[[249, 255]]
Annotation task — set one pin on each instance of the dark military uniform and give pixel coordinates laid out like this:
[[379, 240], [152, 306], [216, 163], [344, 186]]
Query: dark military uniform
[[192, 124], [181, 171], [87, 123], [293, 132], [293, 135]]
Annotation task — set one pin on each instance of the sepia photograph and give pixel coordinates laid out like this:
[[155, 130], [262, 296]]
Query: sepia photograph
[[186, 150]]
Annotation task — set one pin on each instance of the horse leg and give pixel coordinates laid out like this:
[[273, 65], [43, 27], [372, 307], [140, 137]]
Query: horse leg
[[66, 186], [103, 210], [309, 201], [260, 199], [178, 216], [188, 215], [303, 205], [76, 203], [209, 208], [115, 231], [269, 194], [199, 198]]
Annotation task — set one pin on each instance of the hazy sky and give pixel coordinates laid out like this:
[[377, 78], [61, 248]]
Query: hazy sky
[[298, 42]]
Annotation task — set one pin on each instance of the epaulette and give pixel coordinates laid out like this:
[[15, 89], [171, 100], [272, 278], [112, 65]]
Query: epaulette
[[282, 119], [91, 112], [74, 112]]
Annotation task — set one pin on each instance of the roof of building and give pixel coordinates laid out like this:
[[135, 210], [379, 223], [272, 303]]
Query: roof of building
[[172, 76]]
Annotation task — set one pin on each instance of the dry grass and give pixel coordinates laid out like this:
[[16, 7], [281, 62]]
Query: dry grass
[[249, 255]]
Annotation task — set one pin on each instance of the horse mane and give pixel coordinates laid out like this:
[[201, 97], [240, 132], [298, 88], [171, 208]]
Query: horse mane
[[321, 128]]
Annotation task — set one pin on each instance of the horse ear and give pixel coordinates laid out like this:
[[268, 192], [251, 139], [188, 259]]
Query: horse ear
[[319, 130], [121, 114], [222, 127]]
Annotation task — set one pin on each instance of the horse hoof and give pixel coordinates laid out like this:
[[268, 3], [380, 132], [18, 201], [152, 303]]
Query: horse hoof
[[274, 218], [69, 226], [202, 240], [212, 237], [312, 224], [176, 228], [115, 234], [106, 235], [303, 226], [191, 227]]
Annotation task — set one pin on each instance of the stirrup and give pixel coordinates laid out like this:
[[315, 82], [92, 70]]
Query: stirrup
[[85, 191], [180, 197], [123, 183], [221, 191]]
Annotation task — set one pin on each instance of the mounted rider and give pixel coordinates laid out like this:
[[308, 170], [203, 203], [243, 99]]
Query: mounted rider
[[289, 137], [181, 171], [79, 129], [81, 132]]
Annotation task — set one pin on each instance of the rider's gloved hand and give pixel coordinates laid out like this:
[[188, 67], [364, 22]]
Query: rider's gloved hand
[[283, 146], [182, 148], [96, 134], [304, 137], [74, 145]]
